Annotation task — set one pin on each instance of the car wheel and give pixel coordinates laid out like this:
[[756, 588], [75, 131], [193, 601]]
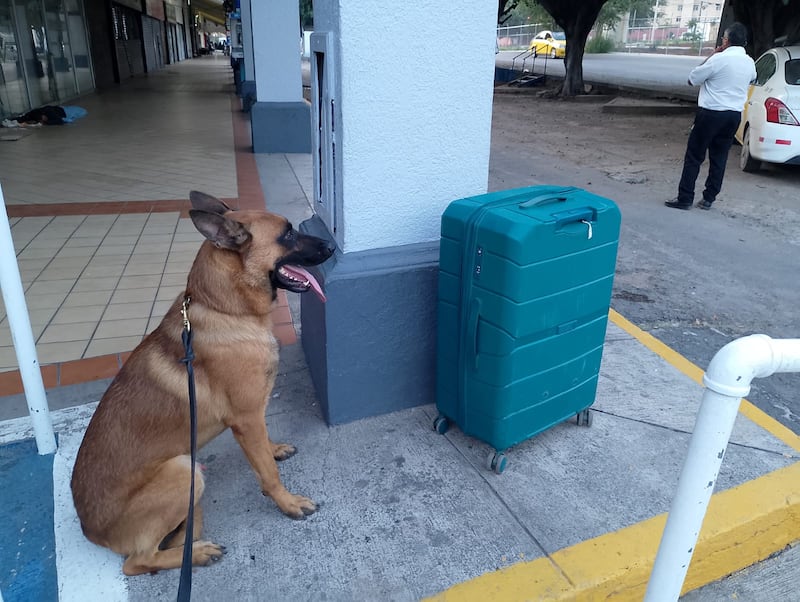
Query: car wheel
[[746, 161], [552, 53]]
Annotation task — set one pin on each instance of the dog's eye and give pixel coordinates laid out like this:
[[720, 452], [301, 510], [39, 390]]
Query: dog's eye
[[290, 235]]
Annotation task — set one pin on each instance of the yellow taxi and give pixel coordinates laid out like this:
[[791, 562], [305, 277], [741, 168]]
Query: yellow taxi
[[549, 43]]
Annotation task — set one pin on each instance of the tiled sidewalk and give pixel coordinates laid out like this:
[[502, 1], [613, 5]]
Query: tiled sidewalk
[[100, 261]]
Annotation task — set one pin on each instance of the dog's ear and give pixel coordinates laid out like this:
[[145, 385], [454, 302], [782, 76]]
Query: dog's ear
[[205, 202], [223, 232]]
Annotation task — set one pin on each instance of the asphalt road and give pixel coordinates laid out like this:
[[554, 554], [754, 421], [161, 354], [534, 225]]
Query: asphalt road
[[657, 72], [695, 280]]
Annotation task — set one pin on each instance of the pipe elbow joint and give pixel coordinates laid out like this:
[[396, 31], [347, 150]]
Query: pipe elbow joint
[[733, 367]]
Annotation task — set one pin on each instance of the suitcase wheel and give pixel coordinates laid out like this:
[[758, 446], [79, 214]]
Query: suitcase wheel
[[440, 425], [497, 462], [584, 418]]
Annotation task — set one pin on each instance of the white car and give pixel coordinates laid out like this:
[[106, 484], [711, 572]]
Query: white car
[[770, 126]]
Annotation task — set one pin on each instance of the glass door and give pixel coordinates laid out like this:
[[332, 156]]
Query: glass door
[[13, 95], [59, 55], [81, 57], [33, 52]]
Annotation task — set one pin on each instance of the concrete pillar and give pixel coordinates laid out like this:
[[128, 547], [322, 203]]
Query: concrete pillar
[[401, 119], [248, 92], [280, 118]]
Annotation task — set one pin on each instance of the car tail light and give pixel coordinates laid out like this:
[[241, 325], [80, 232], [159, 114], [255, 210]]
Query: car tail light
[[777, 112]]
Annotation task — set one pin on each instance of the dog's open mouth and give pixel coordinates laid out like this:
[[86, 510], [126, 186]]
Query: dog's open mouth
[[299, 280]]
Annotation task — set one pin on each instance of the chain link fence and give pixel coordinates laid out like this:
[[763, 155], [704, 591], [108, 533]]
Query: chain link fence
[[516, 37], [640, 35]]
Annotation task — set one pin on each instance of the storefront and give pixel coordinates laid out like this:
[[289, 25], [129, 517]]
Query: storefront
[[44, 54]]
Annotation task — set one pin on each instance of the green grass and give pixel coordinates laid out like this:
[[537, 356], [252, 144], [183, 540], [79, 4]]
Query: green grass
[[599, 45]]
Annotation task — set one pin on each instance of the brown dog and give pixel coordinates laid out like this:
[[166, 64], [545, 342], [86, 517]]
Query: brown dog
[[131, 478]]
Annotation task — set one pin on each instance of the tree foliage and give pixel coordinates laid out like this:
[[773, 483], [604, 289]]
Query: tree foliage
[[505, 9], [613, 11], [306, 14]]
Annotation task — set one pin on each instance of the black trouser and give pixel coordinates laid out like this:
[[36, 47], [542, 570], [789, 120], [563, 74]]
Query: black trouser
[[713, 132]]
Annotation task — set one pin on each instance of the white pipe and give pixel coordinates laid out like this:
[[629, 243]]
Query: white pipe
[[22, 335], [727, 380]]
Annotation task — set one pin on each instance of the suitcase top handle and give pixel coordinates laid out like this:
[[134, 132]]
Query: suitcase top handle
[[554, 196]]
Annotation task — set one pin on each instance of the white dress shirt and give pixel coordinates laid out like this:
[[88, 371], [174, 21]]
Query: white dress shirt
[[725, 78]]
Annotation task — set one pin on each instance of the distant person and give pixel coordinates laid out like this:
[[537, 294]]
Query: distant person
[[724, 78], [47, 115]]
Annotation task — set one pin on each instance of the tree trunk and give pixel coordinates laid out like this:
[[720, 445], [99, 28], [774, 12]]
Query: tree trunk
[[573, 63], [576, 18], [758, 18]]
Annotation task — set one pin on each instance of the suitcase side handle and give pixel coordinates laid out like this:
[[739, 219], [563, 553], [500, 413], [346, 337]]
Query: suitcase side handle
[[554, 196], [472, 329], [582, 214]]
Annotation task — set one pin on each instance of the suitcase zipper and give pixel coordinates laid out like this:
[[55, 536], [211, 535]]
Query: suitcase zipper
[[471, 267]]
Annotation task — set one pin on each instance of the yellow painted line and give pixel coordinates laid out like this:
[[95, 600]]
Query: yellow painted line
[[769, 424], [762, 419], [657, 347], [743, 525]]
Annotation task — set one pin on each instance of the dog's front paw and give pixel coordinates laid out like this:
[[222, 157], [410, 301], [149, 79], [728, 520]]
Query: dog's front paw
[[297, 506], [283, 451], [206, 552]]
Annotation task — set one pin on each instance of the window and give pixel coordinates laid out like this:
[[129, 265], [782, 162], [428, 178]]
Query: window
[[793, 72], [765, 68]]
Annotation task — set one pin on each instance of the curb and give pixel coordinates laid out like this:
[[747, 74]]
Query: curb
[[625, 106]]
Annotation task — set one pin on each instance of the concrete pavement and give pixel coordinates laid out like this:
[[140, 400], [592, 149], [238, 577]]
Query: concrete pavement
[[408, 514]]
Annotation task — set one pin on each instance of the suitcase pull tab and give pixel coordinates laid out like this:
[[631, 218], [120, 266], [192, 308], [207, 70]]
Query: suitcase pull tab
[[589, 224]]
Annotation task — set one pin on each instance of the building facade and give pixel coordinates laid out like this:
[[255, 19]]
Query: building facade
[[674, 20], [683, 13], [53, 51], [44, 53]]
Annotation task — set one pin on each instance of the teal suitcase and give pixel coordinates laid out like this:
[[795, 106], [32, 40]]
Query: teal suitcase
[[525, 281]]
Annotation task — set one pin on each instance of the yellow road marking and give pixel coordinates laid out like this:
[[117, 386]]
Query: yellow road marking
[[761, 418]]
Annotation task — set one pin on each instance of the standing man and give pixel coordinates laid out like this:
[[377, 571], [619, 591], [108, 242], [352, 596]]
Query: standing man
[[724, 78]]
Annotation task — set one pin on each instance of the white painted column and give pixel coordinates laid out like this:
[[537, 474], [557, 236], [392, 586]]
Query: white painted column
[[413, 116], [401, 125], [276, 50]]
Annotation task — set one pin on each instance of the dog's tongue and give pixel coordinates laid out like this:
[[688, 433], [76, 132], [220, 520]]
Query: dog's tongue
[[302, 274]]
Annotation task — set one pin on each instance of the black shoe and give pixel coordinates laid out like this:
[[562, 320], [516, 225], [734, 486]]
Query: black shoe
[[704, 204], [677, 205]]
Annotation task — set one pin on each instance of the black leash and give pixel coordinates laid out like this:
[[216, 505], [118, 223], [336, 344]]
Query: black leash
[[185, 586]]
